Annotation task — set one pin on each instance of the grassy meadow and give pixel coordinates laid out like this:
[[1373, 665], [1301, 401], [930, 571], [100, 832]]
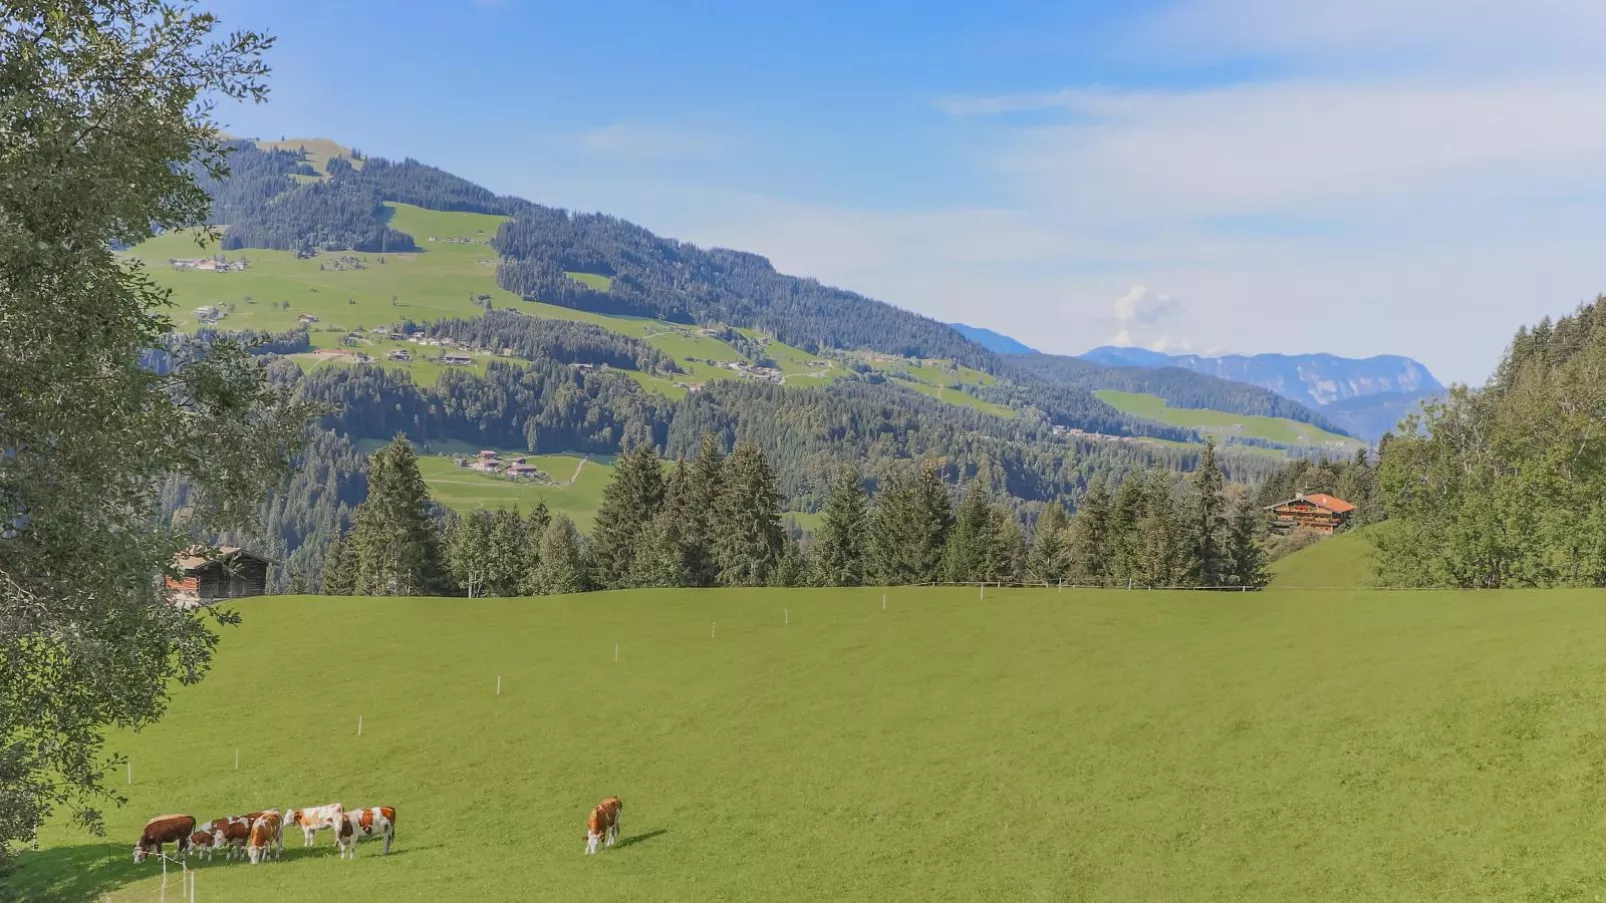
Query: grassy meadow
[[576, 489], [1341, 561], [1035, 745], [1219, 425]]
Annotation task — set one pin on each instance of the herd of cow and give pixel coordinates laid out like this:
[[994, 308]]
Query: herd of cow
[[258, 835]]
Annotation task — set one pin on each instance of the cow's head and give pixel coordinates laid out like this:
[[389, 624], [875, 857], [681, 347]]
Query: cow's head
[[141, 851], [295, 817]]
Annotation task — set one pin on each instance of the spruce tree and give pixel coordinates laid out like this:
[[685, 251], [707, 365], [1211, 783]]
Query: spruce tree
[[339, 576], [1087, 538], [1125, 552], [792, 566], [562, 568], [970, 540], [1005, 551], [395, 543], [1163, 558], [1047, 561], [909, 527], [1206, 521], [839, 545], [665, 559], [1244, 562], [747, 519], [628, 505], [704, 479], [507, 553]]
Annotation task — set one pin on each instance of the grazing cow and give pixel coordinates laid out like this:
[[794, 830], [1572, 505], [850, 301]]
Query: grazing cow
[[265, 833], [316, 819], [360, 823], [229, 834], [164, 829], [603, 823], [203, 842]]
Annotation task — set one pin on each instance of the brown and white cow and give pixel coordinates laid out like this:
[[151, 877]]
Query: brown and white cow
[[265, 836], [201, 843], [359, 823], [164, 829], [603, 823], [228, 834], [316, 819]]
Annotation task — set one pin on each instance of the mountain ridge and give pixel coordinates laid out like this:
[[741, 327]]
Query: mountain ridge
[[996, 342], [1316, 378]]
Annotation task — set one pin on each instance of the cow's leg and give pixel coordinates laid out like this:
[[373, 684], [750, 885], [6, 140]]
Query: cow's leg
[[591, 843], [390, 832]]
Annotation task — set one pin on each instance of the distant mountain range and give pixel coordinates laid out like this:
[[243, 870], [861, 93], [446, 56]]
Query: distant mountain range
[[996, 342], [1311, 379], [1365, 396]]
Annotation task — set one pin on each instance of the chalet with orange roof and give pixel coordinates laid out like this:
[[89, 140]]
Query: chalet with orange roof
[[1316, 511]]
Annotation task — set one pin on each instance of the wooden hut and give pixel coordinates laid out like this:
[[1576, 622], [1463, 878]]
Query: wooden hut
[[230, 573]]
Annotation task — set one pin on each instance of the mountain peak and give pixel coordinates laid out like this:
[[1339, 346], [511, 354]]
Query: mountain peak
[[996, 342]]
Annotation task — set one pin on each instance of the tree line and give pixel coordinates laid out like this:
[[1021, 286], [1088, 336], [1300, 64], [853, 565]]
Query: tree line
[[540, 338], [1505, 486], [715, 520]]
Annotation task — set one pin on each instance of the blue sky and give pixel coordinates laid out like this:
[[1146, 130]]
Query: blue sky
[[1380, 176]]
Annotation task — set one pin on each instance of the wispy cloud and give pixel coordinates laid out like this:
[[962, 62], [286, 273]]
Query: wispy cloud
[[643, 139]]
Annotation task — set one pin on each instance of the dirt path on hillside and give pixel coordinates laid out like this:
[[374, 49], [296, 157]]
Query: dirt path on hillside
[[577, 468]]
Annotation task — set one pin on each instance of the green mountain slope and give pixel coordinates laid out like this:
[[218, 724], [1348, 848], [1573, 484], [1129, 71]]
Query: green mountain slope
[[1343, 561], [1224, 427]]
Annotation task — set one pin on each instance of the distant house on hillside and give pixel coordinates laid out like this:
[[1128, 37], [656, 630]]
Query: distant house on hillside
[[1318, 511], [233, 573], [456, 359]]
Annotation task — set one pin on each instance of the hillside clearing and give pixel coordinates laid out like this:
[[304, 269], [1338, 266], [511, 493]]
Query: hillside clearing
[[1344, 561], [1086, 745], [1222, 426]]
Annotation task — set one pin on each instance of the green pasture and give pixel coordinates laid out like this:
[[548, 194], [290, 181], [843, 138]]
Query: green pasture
[[465, 490], [1344, 560], [1035, 745], [1220, 425]]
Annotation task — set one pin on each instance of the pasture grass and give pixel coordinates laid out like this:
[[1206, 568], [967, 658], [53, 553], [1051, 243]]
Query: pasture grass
[[319, 150], [1107, 745], [1220, 425], [1343, 560], [465, 490]]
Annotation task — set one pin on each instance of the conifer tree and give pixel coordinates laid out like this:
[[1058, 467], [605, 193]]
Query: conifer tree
[[1005, 551], [628, 505], [1125, 552], [507, 553], [792, 566], [909, 527], [1047, 561], [1161, 542], [1244, 563], [704, 479], [747, 519], [562, 568], [971, 539], [1087, 539], [395, 543], [468, 551], [339, 577], [664, 559], [839, 545], [1206, 521]]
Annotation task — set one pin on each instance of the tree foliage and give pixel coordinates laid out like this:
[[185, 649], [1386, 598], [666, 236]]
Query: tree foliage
[[103, 107]]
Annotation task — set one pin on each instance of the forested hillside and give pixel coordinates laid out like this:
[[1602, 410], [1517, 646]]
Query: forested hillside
[[1181, 388], [1506, 486]]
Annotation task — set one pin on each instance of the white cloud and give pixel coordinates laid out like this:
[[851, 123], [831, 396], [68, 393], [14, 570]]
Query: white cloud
[[1142, 307], [641, 139]]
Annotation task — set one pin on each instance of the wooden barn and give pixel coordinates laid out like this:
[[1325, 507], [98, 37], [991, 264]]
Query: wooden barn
[[1317, 511], [233, 573]]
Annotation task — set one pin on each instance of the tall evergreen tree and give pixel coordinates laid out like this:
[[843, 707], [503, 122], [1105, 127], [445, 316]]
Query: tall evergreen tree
[[971, 540], [1005, 551], [1163, 558], [396, 546], [1125, 549], [339, 574], [628, 506], [704, 480], [562, 567], [1047, 562], [909, 527], [1206, 520], [839, 545], [508, 553], [1087, 545], [792, 565], [1244, 563], [747, 519]]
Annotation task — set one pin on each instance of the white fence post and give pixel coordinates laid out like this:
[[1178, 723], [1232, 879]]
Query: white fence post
[[359, 725], [499, 685], [616, 650]]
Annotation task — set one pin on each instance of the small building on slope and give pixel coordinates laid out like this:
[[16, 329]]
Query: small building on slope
[[1317, 511], [233, 573]]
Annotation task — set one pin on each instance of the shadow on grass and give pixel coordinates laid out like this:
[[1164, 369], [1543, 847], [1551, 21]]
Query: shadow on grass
[[639, 838], [91, 871], [85, 872]]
